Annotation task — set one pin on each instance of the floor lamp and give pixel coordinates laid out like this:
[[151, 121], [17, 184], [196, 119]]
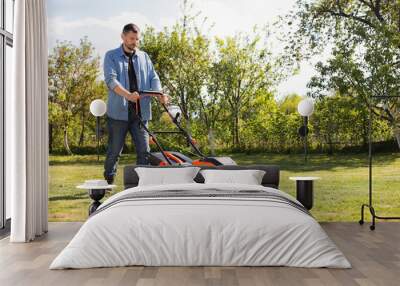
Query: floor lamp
[[98, 108], [370, 205], [306, 109]]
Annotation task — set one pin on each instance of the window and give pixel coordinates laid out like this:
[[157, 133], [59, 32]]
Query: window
[[8, 79], [9, 11], [6, 44]]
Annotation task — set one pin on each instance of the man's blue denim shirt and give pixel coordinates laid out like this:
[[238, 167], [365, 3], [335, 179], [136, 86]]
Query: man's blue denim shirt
[[116, 73]]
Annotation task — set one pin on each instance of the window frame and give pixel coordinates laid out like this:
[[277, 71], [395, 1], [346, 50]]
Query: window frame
[[6, 39]]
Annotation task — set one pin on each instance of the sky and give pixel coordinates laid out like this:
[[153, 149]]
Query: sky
[[102, 20]]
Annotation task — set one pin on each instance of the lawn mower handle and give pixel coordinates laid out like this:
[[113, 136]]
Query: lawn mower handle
[[153, 136], [175, 120], [182, 130]]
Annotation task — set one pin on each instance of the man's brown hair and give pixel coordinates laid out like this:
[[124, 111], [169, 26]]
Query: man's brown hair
[[130, 28]]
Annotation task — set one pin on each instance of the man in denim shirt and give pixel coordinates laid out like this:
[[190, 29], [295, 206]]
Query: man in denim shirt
[[127, 71]]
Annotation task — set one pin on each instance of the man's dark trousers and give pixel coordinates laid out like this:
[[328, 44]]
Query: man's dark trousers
[[117, 131]]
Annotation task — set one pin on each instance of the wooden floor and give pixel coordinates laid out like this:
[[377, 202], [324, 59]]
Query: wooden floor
[[375, 257]]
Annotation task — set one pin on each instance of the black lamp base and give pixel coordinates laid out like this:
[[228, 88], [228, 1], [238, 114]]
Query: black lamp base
[[96, 195], [373, 215], [305, 193]]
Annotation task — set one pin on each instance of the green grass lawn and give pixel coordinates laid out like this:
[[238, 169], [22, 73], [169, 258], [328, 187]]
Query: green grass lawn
[[337, 196]]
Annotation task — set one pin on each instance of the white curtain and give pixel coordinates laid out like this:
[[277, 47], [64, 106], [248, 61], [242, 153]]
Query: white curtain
[[27, 123]]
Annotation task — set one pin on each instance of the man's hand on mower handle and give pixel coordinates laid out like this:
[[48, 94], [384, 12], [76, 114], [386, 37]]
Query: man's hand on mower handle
[[133, 96], [130, 96], [164, 98]]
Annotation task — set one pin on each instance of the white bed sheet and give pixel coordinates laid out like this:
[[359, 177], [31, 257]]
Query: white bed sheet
[[200, 232]]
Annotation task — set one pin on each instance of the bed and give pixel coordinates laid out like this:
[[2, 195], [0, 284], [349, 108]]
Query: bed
[[201, 224]]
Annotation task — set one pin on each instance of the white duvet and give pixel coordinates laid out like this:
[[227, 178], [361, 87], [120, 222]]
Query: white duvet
[[200, 231]]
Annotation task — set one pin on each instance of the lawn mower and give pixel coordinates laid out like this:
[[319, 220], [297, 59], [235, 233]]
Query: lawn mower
[[163, 157]]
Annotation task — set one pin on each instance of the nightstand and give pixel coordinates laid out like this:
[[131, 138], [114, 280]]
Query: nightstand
[[305, 190], [96, 190]]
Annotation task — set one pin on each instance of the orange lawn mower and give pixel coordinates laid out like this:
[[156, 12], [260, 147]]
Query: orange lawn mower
[[163, 157]]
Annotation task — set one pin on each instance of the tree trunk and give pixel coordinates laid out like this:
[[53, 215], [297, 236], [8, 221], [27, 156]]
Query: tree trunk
[[237, 130], [330, 152], [365, 132], [66, 145], [188, 126], [50, 138], [233, 134], [396, 133], [211, 141], [82, 135]]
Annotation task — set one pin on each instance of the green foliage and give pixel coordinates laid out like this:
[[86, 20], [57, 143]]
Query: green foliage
[[335, 124], [365, 49], [289, 104], [225, 87], [213, 87], [73, 84]]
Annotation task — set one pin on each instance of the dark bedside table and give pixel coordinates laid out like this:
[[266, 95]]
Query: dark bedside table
[[96, 195], [305, 190], [96, 190]]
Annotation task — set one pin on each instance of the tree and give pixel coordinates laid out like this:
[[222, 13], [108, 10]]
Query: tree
[[364, 37], [181, 57], [245, 69], [93, 90], [211, 103], [73, 72], [289, 104], [258, 118], [340, 121]]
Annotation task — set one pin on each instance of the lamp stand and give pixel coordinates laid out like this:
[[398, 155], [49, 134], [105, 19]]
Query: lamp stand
[[305, 137], [369, 205], [98, 137]]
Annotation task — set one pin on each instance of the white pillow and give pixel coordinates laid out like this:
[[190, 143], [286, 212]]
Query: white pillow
[[166, 176], [248, 177]]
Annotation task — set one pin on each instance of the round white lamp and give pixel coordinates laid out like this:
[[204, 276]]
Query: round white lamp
[[305, 108], [98, 108]]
